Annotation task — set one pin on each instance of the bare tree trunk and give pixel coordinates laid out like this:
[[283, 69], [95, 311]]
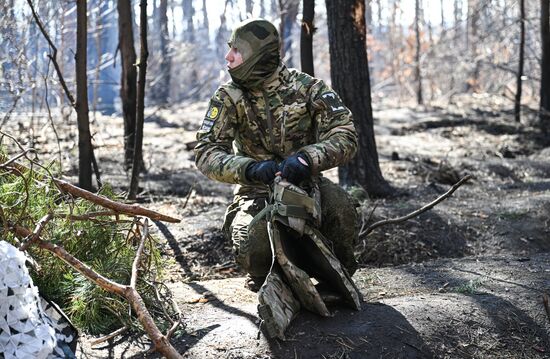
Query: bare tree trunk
[[97, 38], [248, 7], [350, 78], [368, 16], [419, 97], [472, 41], [84, 137], [161, 89], [517, 106], [306, 38], [545, 67], [128, 78], [262, 8], [443, 26], [142, 65], [188, 13], [457, 17], [288, 10], [379, 16], [205, 23]]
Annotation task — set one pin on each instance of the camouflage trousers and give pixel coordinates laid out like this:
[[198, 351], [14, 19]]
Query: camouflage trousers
[[251, 244]]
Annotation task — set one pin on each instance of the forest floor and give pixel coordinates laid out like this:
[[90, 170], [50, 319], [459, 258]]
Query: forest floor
[[463, 280]]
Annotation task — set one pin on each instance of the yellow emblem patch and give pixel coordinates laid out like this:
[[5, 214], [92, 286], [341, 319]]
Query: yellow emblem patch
[[213, 113], [214, 110]]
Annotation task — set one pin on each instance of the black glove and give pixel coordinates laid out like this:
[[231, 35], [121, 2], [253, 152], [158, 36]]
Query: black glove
[[295, 168], [263, 171]]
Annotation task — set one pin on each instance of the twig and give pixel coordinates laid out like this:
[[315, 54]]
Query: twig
[[135, 265], [36, 233], [420, 210], [189, 195], [132, 209], [51, 118], [52, 55], [10, 161], [109, 336], [87, 216], [364, 220]]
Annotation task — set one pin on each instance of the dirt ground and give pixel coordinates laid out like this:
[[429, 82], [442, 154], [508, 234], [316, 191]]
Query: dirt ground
[[463, 280]]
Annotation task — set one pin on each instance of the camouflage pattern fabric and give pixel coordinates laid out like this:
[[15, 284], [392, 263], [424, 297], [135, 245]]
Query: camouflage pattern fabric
[[293, 112], [258, 42], [251, 243]]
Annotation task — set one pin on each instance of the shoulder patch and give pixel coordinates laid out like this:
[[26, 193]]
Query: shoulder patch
[[333, 102], [213, 113]]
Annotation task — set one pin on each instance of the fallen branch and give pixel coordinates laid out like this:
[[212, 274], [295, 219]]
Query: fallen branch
[[109, 336], [161, 343], [37, 230], [132, 209], [420, 210], [66, 187]]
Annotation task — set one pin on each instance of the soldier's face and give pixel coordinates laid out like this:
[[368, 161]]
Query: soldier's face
[[234, 58]]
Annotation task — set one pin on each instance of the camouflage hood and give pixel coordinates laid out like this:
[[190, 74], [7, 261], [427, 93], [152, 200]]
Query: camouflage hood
[[258, 42]]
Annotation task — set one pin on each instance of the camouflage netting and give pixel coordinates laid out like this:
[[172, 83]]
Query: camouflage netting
[[29, 327]]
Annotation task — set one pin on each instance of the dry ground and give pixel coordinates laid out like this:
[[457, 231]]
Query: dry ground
[[464, 280]]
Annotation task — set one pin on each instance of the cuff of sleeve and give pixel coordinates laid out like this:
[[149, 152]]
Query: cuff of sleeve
[[242, 173], [312, 158]]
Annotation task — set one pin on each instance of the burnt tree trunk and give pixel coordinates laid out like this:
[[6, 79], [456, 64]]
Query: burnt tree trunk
[[85, 151], [419, 97], [349, 72], [128, 78], [545, 67], [142, 65], [306, 38], [517, 105]]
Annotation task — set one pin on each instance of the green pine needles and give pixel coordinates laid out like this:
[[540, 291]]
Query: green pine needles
[[96, 236]]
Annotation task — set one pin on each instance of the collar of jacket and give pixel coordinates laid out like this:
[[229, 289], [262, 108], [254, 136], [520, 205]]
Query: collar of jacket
[[278, 77]]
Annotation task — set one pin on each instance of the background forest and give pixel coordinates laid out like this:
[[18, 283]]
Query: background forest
[[426, 51], [441, 90]]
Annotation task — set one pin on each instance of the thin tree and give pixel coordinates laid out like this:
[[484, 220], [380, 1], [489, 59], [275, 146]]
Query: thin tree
[[262, 8], [128, 77], [288, 11], [306, 38], [205, 22], [417, 17], [249, 4], [188, 13], [472, 41], [142, 66], [349, 72], [545, 67], [161, 88], [86, 157], [517, 107], [81, 104]]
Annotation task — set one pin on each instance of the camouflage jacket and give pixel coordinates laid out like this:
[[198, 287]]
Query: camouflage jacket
[[303, 115]]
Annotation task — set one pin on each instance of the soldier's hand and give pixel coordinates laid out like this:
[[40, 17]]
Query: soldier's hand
[[263, 171], [295, 169]]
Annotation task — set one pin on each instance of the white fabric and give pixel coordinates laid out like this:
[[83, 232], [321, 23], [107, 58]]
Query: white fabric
[[25, 329]]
